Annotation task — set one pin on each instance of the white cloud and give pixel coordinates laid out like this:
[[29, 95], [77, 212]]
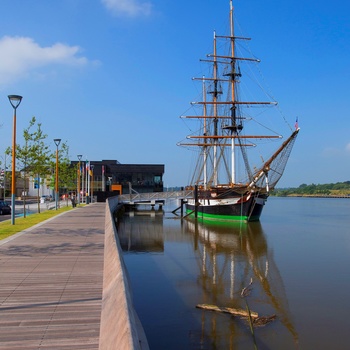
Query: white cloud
[[19, 56], [331, 152], [131, 8]]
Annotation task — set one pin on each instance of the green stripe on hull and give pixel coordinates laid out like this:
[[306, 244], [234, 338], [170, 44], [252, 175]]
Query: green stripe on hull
[[216, 217]]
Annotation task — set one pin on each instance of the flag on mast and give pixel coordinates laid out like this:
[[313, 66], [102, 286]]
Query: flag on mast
[[296, 124]]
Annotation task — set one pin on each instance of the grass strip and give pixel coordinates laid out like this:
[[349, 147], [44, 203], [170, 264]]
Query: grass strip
[[21, 223]]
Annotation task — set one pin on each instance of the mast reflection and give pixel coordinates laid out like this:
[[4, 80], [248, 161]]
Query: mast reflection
[[216, 262], [231, 257]]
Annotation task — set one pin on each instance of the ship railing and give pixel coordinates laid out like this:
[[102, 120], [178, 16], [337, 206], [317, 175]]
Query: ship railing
[[154, 196]]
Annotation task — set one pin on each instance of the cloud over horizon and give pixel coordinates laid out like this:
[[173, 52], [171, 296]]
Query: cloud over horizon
[[131, 8], [21, 55]]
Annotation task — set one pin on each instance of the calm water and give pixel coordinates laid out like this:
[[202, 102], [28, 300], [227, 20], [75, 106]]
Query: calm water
[[297, 257]]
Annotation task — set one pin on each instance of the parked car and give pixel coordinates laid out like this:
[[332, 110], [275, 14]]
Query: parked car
[[45, 198], [4, 208]]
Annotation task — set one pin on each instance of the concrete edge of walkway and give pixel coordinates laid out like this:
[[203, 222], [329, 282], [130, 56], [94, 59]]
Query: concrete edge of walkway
[[120, 326]]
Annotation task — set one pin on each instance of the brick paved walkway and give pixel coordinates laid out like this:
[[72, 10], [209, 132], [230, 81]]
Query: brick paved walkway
[[51, 283]]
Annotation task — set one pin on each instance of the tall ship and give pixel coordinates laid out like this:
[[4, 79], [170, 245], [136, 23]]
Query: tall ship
[[240, 154]]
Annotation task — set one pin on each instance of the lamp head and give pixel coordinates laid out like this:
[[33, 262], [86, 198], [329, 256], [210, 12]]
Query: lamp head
[[57, 142], [79, 157], [15, 100]]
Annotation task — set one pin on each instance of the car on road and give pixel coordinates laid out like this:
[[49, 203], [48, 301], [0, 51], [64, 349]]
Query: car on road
[[4, 208], [45, 198]]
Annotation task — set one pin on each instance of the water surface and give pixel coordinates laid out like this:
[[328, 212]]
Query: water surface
[[297, 259]]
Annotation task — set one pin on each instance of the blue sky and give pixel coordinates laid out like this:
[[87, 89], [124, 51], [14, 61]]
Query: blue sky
[[112, 77]]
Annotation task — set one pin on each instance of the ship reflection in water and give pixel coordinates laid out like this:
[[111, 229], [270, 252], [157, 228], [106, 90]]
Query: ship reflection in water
[[190, 264]]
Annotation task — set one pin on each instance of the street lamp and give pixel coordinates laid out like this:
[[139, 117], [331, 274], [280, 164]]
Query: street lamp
[[92, 181], [57, 143], [87, 182], [15, 101], [79, 158]]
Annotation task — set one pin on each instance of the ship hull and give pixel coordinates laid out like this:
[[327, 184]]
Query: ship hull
[[235, 208]]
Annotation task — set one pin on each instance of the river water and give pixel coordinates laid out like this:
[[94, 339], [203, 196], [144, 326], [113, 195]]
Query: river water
[[294, 264]]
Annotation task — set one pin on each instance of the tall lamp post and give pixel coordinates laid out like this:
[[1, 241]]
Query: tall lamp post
[[92, 181], [88, 182], [57, 143], [15, 101], [82, 182], [78, 192]]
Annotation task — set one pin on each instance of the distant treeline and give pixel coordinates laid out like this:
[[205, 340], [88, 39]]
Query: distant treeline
[[332, 189]]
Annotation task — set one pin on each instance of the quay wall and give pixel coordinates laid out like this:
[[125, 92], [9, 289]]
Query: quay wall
[[120, 326]]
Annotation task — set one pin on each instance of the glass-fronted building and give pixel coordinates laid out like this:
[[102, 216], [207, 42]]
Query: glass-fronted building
[[111, 176]]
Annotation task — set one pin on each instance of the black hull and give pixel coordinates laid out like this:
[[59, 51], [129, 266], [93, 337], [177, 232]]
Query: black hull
[[247, 210]]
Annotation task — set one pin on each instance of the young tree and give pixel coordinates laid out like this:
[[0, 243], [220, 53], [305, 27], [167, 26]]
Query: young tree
[[67, 173], [25, 156], [35, 154]]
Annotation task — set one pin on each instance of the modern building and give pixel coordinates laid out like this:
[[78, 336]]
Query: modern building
[[101, 179], [109, 176]]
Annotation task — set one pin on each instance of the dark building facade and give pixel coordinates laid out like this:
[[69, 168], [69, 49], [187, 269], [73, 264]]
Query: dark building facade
[[111, 176]]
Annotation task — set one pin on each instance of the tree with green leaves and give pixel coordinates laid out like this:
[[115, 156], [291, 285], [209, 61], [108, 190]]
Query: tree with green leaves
[[67, 173], [35, 154], [22, 155]]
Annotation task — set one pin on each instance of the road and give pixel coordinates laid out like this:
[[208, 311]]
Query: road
[[31, 207]]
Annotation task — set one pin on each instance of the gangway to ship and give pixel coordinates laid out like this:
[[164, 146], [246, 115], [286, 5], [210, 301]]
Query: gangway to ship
[[153, 198]]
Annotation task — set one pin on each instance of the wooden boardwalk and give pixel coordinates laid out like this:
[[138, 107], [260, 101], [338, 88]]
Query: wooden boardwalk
[[51, 283]]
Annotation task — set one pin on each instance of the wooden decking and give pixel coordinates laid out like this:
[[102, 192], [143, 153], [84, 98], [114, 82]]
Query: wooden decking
[[51, 283]]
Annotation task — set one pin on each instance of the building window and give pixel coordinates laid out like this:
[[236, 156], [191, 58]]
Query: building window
[[157, 179]]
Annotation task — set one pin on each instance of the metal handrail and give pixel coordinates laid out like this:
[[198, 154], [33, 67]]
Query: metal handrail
[[125, 198]]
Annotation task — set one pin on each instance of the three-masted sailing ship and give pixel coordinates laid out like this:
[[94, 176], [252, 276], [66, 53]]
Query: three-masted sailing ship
[[224, 190]]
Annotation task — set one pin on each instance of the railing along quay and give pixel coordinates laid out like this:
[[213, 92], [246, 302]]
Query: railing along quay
[[154, 196]]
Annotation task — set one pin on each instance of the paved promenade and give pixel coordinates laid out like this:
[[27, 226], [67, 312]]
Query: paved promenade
[[51, 283]]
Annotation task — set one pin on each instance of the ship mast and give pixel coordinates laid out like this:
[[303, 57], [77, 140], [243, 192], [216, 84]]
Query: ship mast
[[205, 148], [228, 113], [233, 108], [215, 98]]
